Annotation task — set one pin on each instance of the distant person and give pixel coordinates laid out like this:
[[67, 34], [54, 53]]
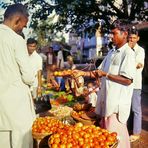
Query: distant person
[[92, 94], [51, 79], [136, 98], [44, 59], [70, 63], [37, 63], [16, 75], [50, 57], [60, 59]]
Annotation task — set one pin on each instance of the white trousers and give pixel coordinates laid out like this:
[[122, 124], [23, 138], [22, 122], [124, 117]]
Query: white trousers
[[15, 139]]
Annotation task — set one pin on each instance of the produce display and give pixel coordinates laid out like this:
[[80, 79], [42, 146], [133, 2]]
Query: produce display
[[82, 136], [61, 111], [71, 124], [47, 125], [72, 136], [63, 73], [81, 106]]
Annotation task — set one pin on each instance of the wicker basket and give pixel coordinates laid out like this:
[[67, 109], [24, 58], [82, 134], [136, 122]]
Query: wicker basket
[[115, 144], [85, 122], [40, 136]]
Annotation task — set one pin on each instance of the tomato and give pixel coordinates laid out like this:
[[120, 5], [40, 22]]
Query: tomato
[[54, 146], [114, 134], [62, 146], [57, 140]]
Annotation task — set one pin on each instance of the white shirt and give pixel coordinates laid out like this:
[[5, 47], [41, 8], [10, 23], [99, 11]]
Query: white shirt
[[114, 97], [60, 58], [50, 58], [36, 63], [140, 55], [16, 106], [92, 98], [44, 57]]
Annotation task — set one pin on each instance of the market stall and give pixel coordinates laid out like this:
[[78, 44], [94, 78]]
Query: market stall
[[70, 122]]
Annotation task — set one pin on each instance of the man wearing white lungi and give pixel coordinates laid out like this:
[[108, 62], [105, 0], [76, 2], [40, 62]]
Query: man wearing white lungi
[[114, 97], [16, 107]]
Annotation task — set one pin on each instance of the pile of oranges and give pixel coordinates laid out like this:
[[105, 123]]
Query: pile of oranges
[[73, 136], [82, 136]]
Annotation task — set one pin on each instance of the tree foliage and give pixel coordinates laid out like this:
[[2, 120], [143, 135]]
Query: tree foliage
[[80, 14]]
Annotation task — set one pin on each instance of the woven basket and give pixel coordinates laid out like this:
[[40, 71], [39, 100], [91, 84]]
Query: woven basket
[[85, 122], [40, 136]]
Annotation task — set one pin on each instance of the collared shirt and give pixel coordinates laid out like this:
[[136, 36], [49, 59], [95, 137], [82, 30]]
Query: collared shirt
[[36, 62], [140, 55], [13, 59], [114, 97]]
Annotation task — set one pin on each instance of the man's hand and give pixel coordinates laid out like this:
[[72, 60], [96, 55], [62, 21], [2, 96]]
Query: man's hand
[[99, 73], [77, 73], [139, 65]]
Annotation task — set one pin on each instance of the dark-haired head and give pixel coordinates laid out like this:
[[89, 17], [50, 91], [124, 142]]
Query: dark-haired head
[[31, 41], [15, 9], [120, 24], [133, 30]]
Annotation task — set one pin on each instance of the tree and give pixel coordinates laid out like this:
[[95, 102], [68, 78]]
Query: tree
[[80, 14]]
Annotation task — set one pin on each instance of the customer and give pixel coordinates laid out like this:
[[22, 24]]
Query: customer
[[136, 98], [117, 71], [16, 107], [37, 64], [74, 85]]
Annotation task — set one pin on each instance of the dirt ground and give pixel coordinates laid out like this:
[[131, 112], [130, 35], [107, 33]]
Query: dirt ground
[[143, 141]]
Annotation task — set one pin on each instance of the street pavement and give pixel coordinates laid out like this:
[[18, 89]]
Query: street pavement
[[143, 141]]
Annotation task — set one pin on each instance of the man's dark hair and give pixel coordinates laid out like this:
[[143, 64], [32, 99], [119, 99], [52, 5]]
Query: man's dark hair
[[121, 24], [31, 41], [15, 9], [133, 30]]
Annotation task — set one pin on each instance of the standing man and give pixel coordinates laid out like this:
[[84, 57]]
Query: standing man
[[136, 98], [16, 107], [60, 59], [117, 72], [114, 97], [36, 62]]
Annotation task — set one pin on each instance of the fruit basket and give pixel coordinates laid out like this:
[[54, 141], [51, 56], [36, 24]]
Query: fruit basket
[[40, 136], [81, 107], [115, 144], [78, 118], [81, 135]]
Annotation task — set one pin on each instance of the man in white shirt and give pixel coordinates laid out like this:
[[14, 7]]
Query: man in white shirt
[[36, 62], [117, 72], [136, 98], [114, 97], [16, 75], [60, 59]]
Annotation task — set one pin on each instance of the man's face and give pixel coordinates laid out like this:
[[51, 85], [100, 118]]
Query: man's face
[[20, 24], [118, 37], [31, 48], [132, 40]]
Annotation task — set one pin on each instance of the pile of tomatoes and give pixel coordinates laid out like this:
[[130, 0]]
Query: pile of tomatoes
[[47, 125], [73, 136], [82, 136]]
